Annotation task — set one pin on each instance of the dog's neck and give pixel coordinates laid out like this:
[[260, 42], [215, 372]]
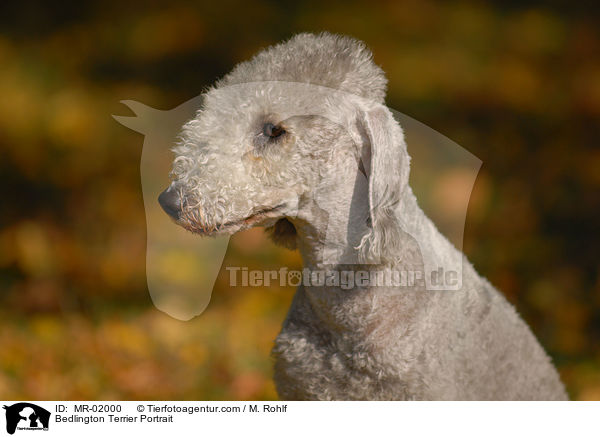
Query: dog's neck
[[332, 220], [329, 229], [330, 226]]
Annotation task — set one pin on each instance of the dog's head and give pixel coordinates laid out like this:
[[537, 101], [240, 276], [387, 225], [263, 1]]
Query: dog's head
[[276, 129]]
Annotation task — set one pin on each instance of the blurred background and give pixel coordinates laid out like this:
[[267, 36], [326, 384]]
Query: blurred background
[[516, 84]]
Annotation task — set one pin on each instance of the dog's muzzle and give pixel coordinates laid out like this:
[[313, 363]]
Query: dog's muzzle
[[171, 202]]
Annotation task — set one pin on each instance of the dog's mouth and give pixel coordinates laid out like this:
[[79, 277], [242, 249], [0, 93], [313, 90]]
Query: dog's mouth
[[254, 218], [235, 225]]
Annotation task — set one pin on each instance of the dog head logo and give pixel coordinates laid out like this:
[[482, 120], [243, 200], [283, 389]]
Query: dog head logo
[[26, 416]]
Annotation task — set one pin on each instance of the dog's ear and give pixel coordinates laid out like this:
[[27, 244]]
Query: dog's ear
[[387, 165]]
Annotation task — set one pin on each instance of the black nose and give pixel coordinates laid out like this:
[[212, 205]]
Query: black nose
[[170, 202]]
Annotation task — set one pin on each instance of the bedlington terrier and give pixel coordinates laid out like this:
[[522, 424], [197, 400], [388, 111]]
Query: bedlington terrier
[[285, 141]]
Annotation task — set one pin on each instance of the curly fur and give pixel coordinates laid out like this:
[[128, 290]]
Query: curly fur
[[335, 184]]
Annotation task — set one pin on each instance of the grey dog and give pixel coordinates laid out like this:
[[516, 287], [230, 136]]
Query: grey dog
[[298, 140]]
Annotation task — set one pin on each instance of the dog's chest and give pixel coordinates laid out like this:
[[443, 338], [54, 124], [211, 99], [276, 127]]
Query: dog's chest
[[315, 362]]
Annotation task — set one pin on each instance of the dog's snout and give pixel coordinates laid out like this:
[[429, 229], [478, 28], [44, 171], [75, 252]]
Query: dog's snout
[[170, 202]]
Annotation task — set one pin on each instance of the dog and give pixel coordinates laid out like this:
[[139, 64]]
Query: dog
[[299, 140]]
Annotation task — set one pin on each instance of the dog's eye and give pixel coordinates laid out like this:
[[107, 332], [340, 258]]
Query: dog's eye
[[272, 131]]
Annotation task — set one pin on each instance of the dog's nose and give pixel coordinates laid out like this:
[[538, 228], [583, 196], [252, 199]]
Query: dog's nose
[[170, 202]]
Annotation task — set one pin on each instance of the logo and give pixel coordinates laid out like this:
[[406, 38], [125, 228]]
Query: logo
[[26, 416], [437, 164]]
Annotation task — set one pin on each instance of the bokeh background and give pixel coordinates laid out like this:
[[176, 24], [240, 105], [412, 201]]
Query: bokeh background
[[517, 84]]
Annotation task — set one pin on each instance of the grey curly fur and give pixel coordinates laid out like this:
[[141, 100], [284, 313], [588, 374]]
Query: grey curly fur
[[370, 343]]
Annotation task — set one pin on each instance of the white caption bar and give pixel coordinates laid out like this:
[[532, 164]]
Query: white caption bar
[[22, 418]]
